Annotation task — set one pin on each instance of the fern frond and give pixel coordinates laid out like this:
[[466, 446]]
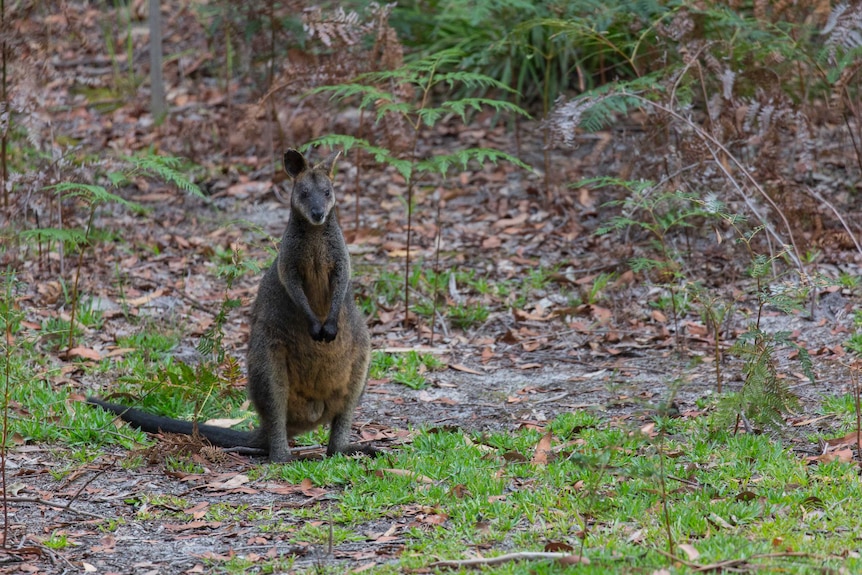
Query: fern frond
[[615, 223], [93, 194], [380, 155], [591, 112], [759, 266], [481, 155], [805, 361], [400, 108], [72, 236], [638, 265], [339, 92], [167, 168], [471, 80], [441, 164], [843, 29], [461, 106]]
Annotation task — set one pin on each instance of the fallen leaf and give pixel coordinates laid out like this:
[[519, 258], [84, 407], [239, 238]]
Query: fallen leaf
[[696, 329], [491, 242], [530, 366], [746, 496], [435, 519], [465, 369], [842, 455], [718, 521], [543, 449], [514, 457], [585, 198], [602, 314], [232, 483], [522, 315], [459, 491], [145, 299], [692, 553], [308, 489], [120, 351], [558, 547], [849, 439], [649, 429], [198, 511], [509, 222], [211, 556], [84, 352]]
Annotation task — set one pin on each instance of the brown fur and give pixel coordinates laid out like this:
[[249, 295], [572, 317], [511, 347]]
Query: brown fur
[[309, 348]]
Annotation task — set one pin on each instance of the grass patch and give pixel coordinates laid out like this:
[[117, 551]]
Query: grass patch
[[728, 496], [408, 368], [477, 295], [450, 493]]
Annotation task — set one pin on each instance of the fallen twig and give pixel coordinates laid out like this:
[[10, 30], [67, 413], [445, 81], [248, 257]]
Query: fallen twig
[[567, 558], [731, 563], [64, 506]]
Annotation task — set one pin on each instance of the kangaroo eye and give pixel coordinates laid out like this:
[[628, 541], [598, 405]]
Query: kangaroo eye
[[327, 193]]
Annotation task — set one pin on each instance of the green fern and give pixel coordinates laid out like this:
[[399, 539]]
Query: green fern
[[765, 398], [168, 168], [71, 237], [386, 94]]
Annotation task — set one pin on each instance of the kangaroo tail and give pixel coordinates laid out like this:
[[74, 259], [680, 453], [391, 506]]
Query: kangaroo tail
[[150, 423]]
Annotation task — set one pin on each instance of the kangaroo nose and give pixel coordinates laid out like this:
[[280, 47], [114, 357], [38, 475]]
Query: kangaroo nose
[[317, 215]]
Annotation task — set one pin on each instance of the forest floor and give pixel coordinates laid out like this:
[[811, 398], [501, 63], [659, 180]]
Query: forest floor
[[557, 340]]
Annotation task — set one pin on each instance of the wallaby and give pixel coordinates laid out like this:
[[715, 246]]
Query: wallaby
[[309, 347]]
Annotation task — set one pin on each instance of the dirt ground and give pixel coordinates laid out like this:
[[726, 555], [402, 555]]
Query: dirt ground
[[497, 399]]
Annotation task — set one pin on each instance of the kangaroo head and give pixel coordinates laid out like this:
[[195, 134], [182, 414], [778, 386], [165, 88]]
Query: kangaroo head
[[312, 195]]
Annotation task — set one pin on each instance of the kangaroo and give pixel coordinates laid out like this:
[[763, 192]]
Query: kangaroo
[[309, 348]]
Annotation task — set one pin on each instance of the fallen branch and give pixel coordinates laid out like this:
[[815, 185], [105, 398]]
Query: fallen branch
[[63, 506], [565, 558], [734, 563]]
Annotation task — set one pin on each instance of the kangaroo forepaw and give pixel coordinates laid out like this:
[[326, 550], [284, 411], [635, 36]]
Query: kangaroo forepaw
[[325, 332], [328, 331]]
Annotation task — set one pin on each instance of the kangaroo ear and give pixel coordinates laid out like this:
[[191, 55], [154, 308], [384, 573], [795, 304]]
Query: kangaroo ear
[[294, 163], [328, 163]]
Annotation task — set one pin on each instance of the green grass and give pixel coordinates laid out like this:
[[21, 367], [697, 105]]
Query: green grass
[[47, 413], [741, 496], [457, 493], [405, 368], [478, 296], [453, 494], [468, 315], [848, 281]]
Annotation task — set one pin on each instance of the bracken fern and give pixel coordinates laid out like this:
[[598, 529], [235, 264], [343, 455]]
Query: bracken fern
[[410, 95]]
